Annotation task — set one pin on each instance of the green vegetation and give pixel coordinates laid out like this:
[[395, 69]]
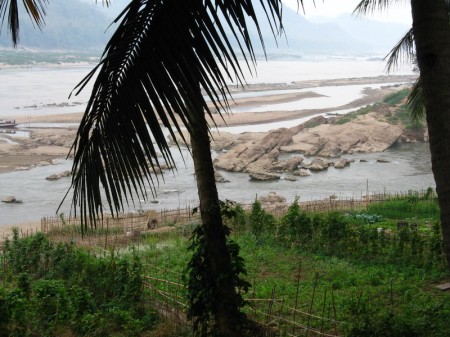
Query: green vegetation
[[312, 123], [353, 115], [376, 275], [59, 290], [373, 271], [402, 114], [396, 97]]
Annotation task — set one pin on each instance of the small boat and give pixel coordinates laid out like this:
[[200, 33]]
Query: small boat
[[4, 123]]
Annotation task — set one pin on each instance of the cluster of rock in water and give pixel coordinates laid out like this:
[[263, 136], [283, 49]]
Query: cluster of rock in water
[[260, 159], [321, 139]]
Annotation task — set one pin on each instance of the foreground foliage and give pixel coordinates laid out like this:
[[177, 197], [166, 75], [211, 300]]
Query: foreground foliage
[[376, 268], [372, 270], [55, 289]]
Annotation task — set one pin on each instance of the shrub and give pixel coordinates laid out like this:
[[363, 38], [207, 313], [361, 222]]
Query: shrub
[[50, 305], [335, 230], [296, 225], [260, 220]]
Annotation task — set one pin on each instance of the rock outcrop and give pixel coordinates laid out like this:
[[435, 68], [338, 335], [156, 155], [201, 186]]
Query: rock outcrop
[[11, 200], [58, 176], [318, 164], [220, 178], [341, 163], [323, 139], [301, 173], [367, 133], [256, 156], [263, 176]]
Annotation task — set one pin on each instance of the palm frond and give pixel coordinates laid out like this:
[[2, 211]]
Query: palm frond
[[415, 102], [403, 51], [370, 6], [163, 54], [10, 9]]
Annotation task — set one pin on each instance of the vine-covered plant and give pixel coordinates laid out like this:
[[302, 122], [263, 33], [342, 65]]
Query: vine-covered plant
[[200, 280]]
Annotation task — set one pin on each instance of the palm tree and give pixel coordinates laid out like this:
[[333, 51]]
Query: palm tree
[[431, 35], [164, 57]]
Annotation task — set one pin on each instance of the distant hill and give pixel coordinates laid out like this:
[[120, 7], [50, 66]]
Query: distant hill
[[304, 37], [80, 25], [381, 36]]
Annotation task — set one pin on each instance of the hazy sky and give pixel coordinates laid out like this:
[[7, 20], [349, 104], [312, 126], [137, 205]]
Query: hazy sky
[[400, 12]]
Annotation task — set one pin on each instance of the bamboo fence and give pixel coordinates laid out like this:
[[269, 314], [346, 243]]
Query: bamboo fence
[[166, 290], [127, 227]]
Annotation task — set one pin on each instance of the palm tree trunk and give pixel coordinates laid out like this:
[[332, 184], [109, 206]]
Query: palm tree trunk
[[432, 37], [227, 309]]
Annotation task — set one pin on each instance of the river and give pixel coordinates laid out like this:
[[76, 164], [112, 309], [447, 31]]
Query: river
[[44, 90]]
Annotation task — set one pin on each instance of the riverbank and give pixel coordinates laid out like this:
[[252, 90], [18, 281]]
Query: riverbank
[[48, 139], [45, 144]]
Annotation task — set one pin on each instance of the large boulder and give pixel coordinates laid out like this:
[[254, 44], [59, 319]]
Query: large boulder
[[366, 133], [301, 173], [341, 163], [10, 199], [271, 198], [293, 163], [220, 178], [256, 155], [288, 165], [317, 164], [263, 176], [58, 176]]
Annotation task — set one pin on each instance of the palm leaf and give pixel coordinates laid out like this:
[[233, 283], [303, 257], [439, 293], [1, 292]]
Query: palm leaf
[[164, 55], [371, 6], [10, 9], [403, 51], [415, 102]]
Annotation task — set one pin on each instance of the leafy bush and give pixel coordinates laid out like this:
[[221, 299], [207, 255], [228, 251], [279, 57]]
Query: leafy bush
[[296, 225], [66, 285], [260, 220], [51, 306], [334, 230]]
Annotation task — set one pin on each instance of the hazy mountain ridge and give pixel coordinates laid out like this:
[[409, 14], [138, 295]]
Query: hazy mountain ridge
[[382, 35], [82, 25]]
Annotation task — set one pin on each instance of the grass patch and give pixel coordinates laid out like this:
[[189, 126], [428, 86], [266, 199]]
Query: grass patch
[[354, 114], [403, 116], [396, 97]]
